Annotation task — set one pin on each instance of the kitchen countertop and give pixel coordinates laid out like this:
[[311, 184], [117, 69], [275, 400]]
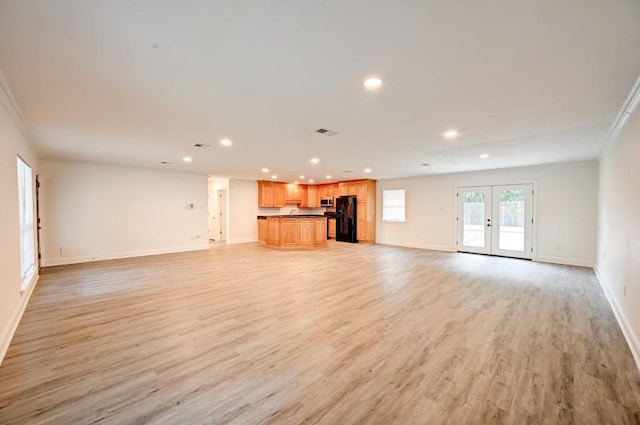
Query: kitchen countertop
[[264, 217]]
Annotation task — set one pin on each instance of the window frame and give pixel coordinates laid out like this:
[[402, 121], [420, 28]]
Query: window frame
[[26, 221]]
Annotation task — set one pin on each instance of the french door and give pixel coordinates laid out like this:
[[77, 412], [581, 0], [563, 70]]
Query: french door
[[495, 220]]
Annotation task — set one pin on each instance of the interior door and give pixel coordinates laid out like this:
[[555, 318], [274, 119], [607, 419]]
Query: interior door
[[496, 220], [222, 208]]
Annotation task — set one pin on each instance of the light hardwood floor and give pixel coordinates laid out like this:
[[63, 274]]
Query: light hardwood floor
[[351, 334]]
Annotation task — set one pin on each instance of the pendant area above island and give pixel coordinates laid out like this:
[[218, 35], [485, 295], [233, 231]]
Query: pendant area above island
[[296, 231]]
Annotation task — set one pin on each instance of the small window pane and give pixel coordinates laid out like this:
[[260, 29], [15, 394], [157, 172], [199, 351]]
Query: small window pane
[[393, 205]]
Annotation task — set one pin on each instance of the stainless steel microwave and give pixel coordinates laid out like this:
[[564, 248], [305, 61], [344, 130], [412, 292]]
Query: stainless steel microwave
[[326, 202]]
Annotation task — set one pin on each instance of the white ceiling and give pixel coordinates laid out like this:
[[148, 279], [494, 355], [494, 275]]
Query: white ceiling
[[528, 82]]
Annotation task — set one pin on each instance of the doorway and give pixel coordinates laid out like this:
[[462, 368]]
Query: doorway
[[222, 208], [496, 220], [38, 227]]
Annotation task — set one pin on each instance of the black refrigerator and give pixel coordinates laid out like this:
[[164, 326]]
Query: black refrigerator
[[346, 219]]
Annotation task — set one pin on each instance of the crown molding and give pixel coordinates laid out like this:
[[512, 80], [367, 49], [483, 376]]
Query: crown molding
[[8, 101], [629, 105]]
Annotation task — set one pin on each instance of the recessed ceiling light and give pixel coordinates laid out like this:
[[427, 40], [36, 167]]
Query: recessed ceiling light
[[328, 176], [484, 155], [315, 160], [274, 176], [265, 170], [311, 180], [372, 83], [367, 170], [187, 159], [451, 134], [301, 177], [226, 142]]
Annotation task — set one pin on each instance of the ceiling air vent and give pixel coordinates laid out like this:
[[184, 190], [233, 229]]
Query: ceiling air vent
[[426, 165], [326, 132], [201, 145]]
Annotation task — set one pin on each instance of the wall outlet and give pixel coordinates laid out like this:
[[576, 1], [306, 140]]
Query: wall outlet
[[191, 206]]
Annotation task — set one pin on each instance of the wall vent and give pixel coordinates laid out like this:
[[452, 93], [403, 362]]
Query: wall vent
[[326, 132]]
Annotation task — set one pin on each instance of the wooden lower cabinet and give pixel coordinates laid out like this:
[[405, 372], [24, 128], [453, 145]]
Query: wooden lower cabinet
[[305, 231], [262, 229], [273, 231], [289, 229], [332, 228], [362, 222], [297, 232]]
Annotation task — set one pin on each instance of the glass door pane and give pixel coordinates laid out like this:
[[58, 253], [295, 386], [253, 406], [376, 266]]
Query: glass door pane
[[474, 220], [511, 220], [474, 207], [512, 212]]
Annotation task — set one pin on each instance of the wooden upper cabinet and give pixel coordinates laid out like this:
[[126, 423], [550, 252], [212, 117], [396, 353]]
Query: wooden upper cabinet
[[279, 192], [312, 197], [361, 191], [290, 193], [270, 194], [343, 189], [265, 194]]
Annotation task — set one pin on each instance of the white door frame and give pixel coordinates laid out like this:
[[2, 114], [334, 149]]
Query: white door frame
[[493, 213], [222, 214]]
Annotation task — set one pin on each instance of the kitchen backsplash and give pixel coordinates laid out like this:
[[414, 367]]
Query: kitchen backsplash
[[287, 209]]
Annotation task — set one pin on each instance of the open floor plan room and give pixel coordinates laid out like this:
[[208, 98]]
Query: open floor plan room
[[354, 334]]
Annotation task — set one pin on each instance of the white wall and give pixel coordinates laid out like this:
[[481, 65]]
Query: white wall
[[13, 142], [96, 211], [242, 225], [618, 263], [565, 201]]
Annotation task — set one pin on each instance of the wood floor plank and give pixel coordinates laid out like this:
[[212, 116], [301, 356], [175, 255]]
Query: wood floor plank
[[351, 334]]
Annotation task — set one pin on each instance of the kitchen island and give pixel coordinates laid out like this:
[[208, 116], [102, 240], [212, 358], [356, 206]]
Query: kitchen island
[[296, 231]]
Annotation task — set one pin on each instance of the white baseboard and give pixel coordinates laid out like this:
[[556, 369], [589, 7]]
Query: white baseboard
[[565, 261], [417, 245], [128, 254], [627, 330], [244, 240], [7, 335]]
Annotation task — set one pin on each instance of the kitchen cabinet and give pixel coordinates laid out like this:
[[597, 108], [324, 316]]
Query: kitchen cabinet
[[270, 194], [293, 194], [265, 194], [362, 221], [332, 228], [365, 191], [279, 190], [311, 198], [262, 229], [328, 191], [297, 232], [289, 231]]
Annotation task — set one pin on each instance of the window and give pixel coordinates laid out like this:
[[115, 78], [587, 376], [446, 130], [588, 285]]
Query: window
[[393, 205], [25, 209]]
